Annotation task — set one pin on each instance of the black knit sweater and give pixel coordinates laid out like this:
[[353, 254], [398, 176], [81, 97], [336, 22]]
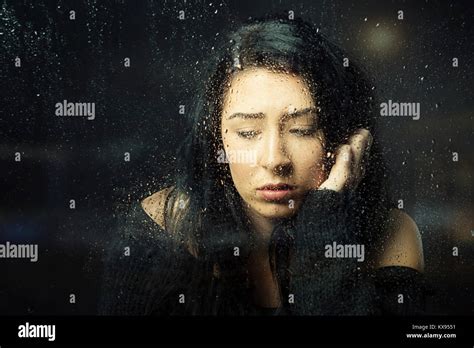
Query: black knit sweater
[[147, 273]]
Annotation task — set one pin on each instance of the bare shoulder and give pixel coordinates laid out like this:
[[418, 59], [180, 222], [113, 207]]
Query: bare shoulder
[[402, 245], [154, 205]]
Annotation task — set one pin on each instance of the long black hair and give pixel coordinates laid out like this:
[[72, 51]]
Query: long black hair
[[204, 210]]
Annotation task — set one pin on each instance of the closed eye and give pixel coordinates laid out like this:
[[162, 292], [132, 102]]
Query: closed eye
[[299, 132], [303, 132], [247, 134]]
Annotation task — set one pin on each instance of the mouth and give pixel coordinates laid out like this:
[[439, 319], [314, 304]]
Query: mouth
[[275, 192]]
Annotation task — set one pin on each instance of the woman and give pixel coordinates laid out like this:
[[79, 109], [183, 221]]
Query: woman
[[279, 204]]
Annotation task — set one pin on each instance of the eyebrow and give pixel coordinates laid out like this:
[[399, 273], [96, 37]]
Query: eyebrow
[[261, 115]]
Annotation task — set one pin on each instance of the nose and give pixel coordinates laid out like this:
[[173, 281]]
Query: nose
[[274, 156]]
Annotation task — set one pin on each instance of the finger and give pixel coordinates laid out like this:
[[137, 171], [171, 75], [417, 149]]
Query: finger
[[360, 143], [340, 174]]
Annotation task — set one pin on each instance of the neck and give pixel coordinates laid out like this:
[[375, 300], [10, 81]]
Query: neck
[[266, 288], [262, 229]]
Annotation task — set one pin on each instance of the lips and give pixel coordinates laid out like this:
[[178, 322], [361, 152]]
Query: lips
[[275, 192]]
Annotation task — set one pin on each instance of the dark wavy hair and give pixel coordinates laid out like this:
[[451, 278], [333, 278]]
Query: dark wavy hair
[[204, 210]]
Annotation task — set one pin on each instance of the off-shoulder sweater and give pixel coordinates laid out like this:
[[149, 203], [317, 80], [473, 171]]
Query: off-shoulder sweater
[[146, 272]]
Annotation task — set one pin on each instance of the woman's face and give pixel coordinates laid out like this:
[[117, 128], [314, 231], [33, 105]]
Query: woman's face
[[272, 141]]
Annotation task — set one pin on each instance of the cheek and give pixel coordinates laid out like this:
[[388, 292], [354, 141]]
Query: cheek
[[242, 162], [308, 162], [241, 176]]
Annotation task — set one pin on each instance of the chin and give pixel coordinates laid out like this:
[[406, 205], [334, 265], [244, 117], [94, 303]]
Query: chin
[[275, 211]]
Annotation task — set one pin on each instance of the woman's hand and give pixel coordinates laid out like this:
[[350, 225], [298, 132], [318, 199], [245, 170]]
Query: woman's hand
[[349, 168]]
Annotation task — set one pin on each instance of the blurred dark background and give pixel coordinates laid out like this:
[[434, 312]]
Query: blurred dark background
[[137, 111]]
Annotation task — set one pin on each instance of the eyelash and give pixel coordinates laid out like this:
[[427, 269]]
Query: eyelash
[[247, 134], [304, 132], [299, 133]]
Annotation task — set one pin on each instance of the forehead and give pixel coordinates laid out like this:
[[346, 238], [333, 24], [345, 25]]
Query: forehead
[[263, 90]]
